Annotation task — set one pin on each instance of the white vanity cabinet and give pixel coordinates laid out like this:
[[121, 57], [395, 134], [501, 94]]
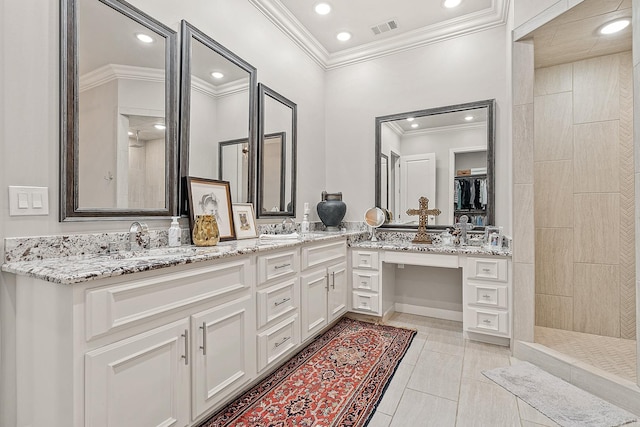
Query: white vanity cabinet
[[323, 285], [277, 306], [365, 282], [487, 296]]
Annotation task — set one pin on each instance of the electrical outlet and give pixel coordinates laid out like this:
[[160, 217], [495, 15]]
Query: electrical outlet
[[25, 201]]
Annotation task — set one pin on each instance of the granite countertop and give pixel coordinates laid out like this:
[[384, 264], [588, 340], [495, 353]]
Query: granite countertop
[[437, 249], [82, 268]]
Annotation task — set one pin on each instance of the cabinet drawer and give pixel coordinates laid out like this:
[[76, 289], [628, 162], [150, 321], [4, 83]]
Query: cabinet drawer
[[277, 341], [277, 301], [488, 295], [365, 260], [365, 280], [366, 302], [117, 306], [316, 255], [487, 321], [271, 266], [487, 268]]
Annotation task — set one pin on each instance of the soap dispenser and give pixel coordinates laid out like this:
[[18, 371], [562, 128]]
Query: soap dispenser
[[175, 232], [304, 226]]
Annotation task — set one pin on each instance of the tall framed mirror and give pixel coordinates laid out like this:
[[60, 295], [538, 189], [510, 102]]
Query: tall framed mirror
[[445, 154], [217, 120], [277, 129], [119, 94]]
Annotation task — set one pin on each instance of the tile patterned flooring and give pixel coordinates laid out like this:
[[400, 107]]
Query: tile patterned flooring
[[614, 355], [439, 382]]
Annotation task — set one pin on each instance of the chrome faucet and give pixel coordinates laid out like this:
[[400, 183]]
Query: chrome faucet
[[288, 225], [139, 236]]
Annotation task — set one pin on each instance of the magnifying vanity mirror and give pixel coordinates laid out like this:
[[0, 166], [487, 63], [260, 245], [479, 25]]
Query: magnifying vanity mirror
[[277, 154], [118, 112], [216, 115], [374, 218], [444, 154]]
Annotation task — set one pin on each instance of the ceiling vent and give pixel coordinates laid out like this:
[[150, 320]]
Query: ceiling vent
[[384, 27]]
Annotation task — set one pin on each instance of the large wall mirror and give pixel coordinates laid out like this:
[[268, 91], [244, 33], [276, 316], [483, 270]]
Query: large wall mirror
[[118, 112], [445, 154], [277, 128], [217, 114]]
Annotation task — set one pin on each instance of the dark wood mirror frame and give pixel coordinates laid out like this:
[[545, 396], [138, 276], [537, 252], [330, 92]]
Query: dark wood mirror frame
[[491, 126], [189, 32], [69, 116]]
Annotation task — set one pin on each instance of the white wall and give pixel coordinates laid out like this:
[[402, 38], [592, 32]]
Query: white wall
[[464, 69]]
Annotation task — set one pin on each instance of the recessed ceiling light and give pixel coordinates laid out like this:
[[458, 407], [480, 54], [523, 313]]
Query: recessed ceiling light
[[410, 119], [144, 38], [130, 133], [451, 3], [159, 126], [415, 125], [615, 26], [217, 75], [468, 118], [323, 8], [343, 36]]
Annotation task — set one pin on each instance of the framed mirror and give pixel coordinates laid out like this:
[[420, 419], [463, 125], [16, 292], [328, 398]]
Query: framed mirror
[[118, 95], [277, 128], [444, 154], [217, 120]]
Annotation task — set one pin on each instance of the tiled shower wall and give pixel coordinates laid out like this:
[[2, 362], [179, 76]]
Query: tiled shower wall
[[584, 196]]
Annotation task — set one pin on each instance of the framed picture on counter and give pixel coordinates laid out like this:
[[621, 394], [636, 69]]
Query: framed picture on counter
[[211, 197], [244, 220]]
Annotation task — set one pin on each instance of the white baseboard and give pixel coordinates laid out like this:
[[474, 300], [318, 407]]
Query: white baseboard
[[438, 313]]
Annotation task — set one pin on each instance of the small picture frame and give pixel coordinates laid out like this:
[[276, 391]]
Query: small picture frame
[[244, 220], [493, 237], [211, 197]]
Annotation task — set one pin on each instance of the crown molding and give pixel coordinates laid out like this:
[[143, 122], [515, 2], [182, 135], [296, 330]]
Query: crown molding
[[110, 72], [277, 13], [397, 129], [227, 89]]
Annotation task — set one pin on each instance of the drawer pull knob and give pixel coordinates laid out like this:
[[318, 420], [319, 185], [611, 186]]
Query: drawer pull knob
[[278, 267], [485, 296], [486, 321], [284, 340], [486, 270], [364, 283], [282, 301]]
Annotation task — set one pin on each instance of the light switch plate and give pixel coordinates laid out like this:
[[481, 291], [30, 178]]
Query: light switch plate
[[25, 201]]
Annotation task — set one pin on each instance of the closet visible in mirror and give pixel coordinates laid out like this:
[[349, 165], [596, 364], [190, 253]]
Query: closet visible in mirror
[[118, 112], [276, 195], [444, 154], [217, 114]]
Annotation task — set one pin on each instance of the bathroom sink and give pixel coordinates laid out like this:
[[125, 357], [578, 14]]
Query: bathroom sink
[[154, 253]]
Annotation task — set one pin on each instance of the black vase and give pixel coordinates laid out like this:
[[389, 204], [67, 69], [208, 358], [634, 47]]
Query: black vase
[[331, 210]]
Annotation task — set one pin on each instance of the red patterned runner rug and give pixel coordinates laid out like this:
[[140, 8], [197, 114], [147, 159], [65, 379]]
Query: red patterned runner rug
[[337, 380]]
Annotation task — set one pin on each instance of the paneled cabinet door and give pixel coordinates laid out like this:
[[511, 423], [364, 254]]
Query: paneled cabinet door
[[224, 352], [313, 307], [140, 381], [337, 290]]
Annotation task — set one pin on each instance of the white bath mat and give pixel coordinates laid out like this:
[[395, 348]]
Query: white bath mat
[[564, 403]]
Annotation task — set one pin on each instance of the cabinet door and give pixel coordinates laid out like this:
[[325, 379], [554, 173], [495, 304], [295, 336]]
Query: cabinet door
[[313, 307], [140, 381], [224, 352], [337, 290]]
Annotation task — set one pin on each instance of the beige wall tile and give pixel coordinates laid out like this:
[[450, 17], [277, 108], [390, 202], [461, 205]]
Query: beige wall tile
[[597, 228], [553, 79], [554, 311], [635, 10], [596, 157], [523, 144], [523, 225], [553, 127], [554, 257], [522, 72], [553, 194], [596, 89], [523, 302], [596, 301]]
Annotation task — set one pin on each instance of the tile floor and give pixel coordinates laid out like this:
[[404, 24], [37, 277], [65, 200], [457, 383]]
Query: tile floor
[[439, 382]]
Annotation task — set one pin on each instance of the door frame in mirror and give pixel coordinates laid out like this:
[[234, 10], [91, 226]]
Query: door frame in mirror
[[490, 104], [69, 115], [263, 91], [188, 31]]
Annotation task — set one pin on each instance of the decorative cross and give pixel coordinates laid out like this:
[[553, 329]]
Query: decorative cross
[[422, 236]]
